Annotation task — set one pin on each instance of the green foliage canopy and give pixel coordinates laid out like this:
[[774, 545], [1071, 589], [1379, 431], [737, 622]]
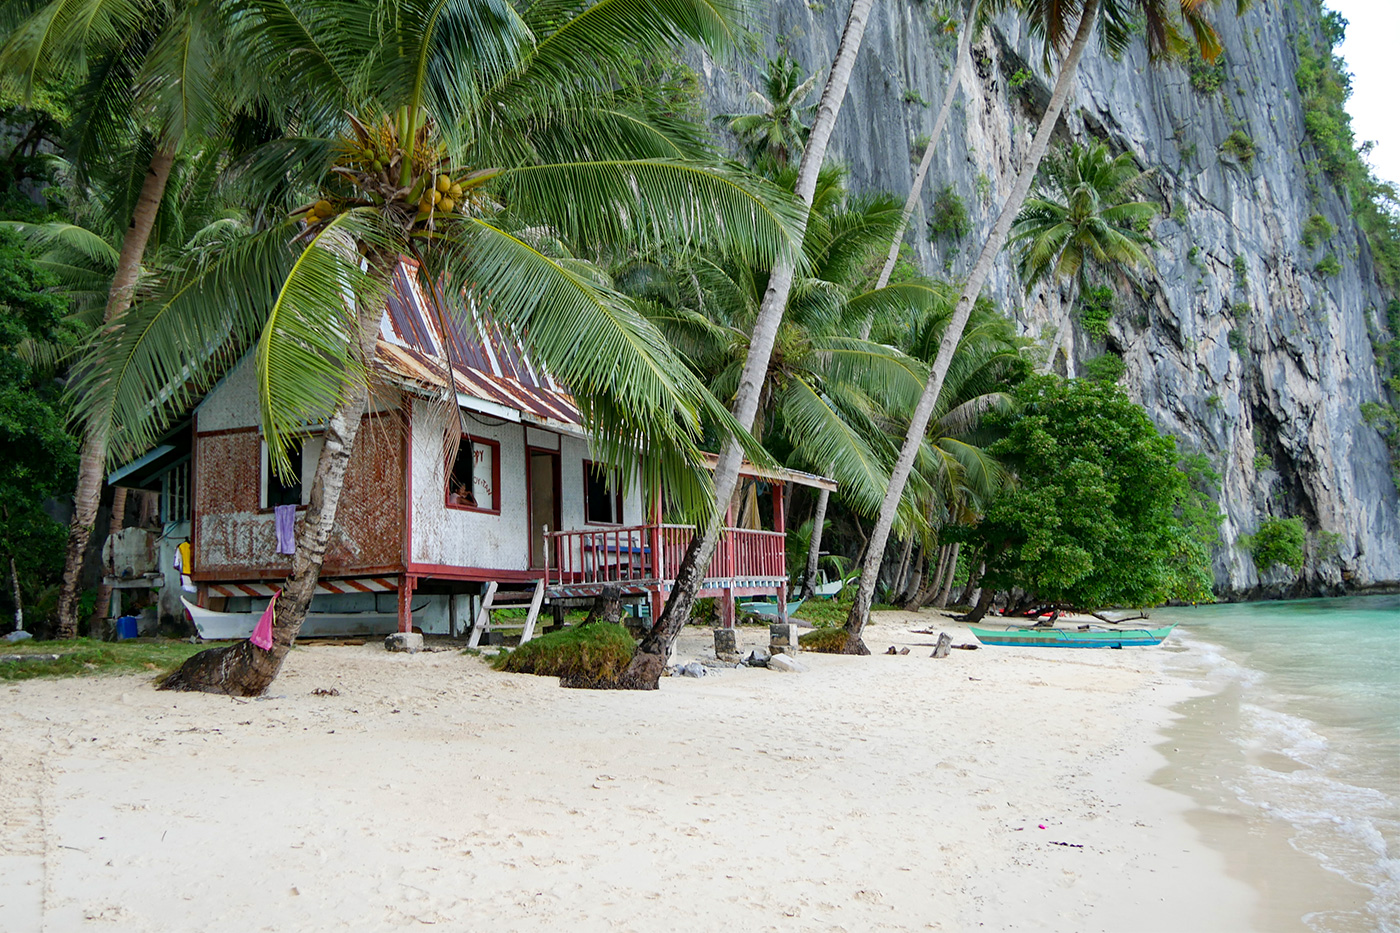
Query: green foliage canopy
[[37, 455], [1279, 541], [1096, 515]]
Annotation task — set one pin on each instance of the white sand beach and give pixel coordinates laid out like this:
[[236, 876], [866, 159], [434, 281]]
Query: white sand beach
[[999, 789]]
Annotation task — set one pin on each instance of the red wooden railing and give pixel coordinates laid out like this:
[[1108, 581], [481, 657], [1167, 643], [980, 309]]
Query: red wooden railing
[[654, 552]]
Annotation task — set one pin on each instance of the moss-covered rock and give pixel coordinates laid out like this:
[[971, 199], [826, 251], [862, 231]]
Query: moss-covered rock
[[591, 655], [824, 640]]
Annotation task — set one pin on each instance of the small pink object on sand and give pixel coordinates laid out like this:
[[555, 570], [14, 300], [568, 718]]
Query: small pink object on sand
[[262, 632]]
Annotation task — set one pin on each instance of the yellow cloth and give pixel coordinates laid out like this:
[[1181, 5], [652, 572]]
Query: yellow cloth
[[183, 557]]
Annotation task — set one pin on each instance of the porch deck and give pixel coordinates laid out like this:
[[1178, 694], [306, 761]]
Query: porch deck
[[643, 560]]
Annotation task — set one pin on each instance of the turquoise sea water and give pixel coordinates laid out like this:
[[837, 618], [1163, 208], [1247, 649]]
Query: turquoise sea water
[[1303, 735]]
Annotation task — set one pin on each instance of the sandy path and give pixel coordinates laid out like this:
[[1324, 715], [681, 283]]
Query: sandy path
[[869, 793]]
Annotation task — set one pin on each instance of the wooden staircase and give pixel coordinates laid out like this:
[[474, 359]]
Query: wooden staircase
[[496, 597]]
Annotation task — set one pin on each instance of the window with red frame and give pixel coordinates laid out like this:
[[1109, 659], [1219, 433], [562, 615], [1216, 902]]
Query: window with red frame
[[474, 475]]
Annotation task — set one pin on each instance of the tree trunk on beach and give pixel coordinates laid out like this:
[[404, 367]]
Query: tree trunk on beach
[[93, 459], [942, 601], [814, 545], [243, 669], [981, 270], [973, 575], [652, 651]]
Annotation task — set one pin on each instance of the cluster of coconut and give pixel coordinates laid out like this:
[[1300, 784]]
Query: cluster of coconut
[[372, 160], [445, 196]]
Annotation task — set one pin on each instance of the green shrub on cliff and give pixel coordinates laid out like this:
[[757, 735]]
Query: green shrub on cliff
[[1279, 541]]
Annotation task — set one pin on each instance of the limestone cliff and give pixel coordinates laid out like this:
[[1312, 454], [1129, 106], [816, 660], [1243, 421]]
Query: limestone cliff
[[1276, 405]]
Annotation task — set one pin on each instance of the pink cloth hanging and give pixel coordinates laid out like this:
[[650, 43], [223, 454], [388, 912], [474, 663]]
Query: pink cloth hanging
[[262, 632]]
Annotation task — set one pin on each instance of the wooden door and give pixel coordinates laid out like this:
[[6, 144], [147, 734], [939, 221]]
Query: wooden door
[[544, 500]]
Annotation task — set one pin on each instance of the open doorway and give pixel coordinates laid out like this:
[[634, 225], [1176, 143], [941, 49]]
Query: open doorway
[[543, 482]]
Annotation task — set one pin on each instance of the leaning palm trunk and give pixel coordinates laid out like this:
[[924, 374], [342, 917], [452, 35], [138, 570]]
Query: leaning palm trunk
[[942, 600], [916, 188], [814, 546], [860, 608], [649, 661], [243, 669], [93, 461], [974, 574]]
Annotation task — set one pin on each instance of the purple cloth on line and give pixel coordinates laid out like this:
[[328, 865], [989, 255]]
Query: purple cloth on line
[[286, 516]]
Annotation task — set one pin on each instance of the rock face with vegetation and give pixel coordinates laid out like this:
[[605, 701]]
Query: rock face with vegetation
[[1258, 338]]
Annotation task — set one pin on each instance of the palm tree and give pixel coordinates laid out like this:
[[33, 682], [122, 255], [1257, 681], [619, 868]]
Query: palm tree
[[1167, 24], [958, 474], [776, 130], [826, 394], [649, 660], [153, 77], [1084, 218], [82, 253], [493, 128]]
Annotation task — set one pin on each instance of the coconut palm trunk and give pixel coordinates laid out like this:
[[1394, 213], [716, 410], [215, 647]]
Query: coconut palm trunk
[[814, 545], [916, 188], [243, 669], [649, 662], [93, 460], [942, 600], [981, 271]]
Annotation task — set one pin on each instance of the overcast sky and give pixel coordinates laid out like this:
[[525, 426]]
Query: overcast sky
[[1372, 53]]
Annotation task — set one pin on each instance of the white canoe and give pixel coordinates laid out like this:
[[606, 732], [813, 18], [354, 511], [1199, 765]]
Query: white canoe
[[222, 626]]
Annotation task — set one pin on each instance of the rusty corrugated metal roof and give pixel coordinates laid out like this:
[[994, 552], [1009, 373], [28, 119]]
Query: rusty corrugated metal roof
[[415, 344]]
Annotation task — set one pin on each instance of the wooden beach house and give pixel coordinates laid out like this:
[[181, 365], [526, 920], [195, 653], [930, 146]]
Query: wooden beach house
[[428, 529]]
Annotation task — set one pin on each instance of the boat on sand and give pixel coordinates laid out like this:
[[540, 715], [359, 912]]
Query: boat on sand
[[1084, 636], [219, 626]]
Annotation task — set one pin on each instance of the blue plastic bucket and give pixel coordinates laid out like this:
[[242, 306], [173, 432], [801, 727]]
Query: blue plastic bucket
[[126, 627]]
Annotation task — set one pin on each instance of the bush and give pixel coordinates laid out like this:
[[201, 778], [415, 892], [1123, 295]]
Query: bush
[[950, 218], [1328, 265], [1237, 340], [1239, 145], [824, 640], [1096, 308], [1109, 367], [1206, 77], [593, 655], [1317, 230], [1278, 541]]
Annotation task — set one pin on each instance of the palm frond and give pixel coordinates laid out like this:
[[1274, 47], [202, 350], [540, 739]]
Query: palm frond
[[307, 355], [156, 360], [656, 202]]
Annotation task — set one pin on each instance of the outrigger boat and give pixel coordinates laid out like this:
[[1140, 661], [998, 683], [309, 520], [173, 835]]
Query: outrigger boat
[[219, 626], [1088, 636]]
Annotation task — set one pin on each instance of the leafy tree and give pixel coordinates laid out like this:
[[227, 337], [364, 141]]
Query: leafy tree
[[152, 79], [826, 394], [1095, 516], [649, 662], [1170, 27], [1278, 542], [37, 455]]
